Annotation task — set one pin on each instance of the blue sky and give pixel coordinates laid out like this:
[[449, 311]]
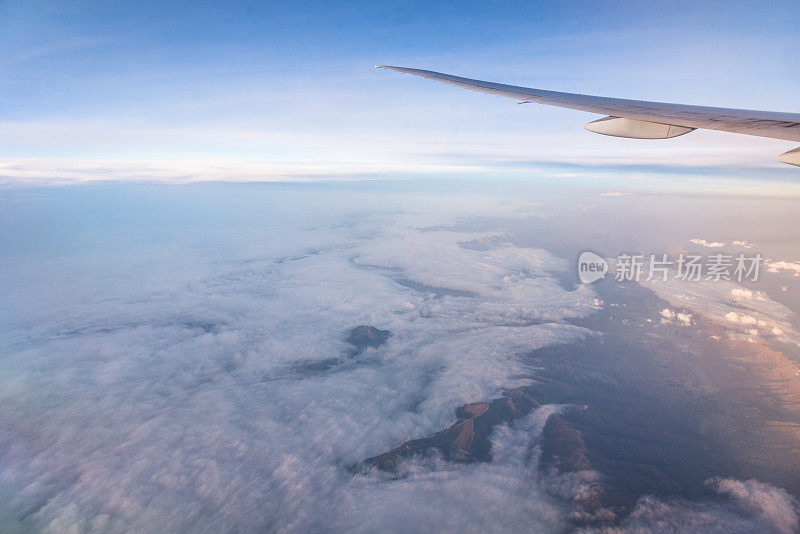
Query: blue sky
[[273, 91]]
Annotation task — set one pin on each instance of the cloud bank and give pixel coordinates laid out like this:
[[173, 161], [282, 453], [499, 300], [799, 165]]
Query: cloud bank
[[158, 369], [157, 388]]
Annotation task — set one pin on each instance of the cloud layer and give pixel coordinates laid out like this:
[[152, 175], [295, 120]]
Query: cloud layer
[[156, 371], [156, 389]]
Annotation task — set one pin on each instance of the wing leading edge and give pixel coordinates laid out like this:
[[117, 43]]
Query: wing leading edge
[[641, 119]]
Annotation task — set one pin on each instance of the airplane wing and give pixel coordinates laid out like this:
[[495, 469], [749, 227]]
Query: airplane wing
[[640, 119]]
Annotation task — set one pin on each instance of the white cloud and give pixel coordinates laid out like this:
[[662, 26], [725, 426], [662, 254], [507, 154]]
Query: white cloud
[[742, 318], [728, 304], [704, 243], [151, 385], [740, 293], [777, 266], [501, 495], [53, 171], [747, 506], [682, 318]]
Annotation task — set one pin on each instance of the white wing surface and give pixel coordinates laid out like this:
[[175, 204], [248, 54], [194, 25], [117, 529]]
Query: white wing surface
[[641, 119]]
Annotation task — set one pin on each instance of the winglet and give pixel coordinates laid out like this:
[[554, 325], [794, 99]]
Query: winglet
[[406, 70]]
